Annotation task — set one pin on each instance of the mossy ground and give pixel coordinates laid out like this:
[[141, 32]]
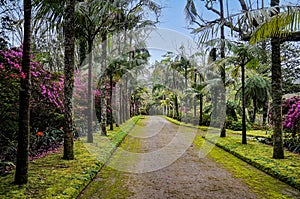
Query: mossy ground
[[252, 133], [258, 154], [263, 185], [111, 183], [53, 177]]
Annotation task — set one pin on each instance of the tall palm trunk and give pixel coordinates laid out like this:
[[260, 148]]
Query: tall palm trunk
[[111, 121], [223, 94], [253, 118], [195, 97], [201, 110], [244, 133], [278, 152], [90, 93], [69, 80], [176, 107], [103, 85], [21, 175]]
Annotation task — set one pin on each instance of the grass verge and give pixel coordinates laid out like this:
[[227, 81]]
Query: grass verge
[[265, 186], [252, 133], [53, 177], [260, 156]]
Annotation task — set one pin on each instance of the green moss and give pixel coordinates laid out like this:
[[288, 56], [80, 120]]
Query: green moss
[[253, 133], [111, 183], [258, 181], [203, 128], [53, 177], [260, 156]]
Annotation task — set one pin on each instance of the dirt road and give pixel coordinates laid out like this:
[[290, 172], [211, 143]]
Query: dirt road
[[158, 159]]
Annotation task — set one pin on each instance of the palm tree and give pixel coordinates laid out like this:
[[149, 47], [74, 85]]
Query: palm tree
[[278, 152], [21, 176], [279, 28], [244, 56], [69, 80], [257, 90]]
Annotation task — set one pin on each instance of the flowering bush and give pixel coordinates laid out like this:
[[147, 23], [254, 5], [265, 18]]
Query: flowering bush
[[46, 101], [291, 123], [47, 88], [291, 112], [80, 100]]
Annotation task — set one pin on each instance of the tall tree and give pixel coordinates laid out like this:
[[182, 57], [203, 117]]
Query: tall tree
[[21, 176], [222, 69], [278, 151], [69, 80]]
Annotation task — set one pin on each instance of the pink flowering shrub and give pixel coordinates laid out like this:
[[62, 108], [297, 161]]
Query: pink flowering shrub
[[80, 100], [291, 112], [291, 123], [46, 99]]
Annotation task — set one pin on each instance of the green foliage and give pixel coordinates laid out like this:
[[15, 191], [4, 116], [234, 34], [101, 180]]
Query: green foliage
[[280, 25], [46, 104], [53, 177], [236, 125]]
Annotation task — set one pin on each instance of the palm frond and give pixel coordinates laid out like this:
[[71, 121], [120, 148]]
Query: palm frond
[[280, 25]]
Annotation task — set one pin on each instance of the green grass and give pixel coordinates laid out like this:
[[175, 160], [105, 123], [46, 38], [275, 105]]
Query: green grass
[[53, 177], [110, 182], [252, 133], [263, 185], [258, 155]]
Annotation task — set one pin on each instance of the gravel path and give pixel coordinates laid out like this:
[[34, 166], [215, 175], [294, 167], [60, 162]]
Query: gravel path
[[158, 160]]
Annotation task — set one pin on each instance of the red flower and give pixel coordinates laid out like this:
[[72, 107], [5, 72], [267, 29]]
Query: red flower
[[39, 133]]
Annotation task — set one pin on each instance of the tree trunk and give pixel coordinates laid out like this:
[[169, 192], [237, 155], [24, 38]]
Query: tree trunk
[[21, 175], [201, 110], [103, 85], [121, 112], [278, 152], [254, 110], [126, 100], [111, 122], [90, 93], [265, 113], [82, 51], [244, 133], [223, 94], [195, 97], [69, 81], [177, 108]]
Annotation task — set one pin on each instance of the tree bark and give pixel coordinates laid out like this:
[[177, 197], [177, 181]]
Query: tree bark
[[111, 122], [254, 110], [195, 98], [69, 80], [278, 152], [201, 110], [21, 175], [244, 132], [223, 75], [103, 85], [90, 93]]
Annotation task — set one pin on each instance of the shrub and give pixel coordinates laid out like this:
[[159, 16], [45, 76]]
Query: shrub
[[236, 125], [46, 101]]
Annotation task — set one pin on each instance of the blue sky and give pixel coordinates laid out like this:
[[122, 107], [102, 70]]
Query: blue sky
[[173, 16]]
